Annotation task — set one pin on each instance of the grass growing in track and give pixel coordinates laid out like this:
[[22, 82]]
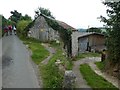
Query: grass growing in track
[[94, 80]]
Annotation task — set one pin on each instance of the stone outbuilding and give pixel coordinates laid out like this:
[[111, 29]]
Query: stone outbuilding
[[82, 42]]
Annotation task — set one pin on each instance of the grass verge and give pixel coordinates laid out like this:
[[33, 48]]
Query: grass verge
[[94, 80], [39, 53]]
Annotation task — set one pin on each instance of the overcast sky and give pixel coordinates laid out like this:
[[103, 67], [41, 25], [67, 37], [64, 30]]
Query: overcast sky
[[77, 13]]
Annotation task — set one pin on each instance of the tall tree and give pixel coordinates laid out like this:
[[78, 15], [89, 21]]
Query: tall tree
[[113, 41], [43, 11], [6, 21], [16, 16]]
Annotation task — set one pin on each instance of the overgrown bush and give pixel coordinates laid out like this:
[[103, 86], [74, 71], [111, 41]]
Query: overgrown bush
[[21, 25], [113, 39]]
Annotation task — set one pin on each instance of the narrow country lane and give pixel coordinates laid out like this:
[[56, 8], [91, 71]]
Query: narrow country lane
[[17, 71]]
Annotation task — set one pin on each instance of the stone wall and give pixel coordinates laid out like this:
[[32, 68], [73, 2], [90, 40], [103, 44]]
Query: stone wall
[[75, 35]]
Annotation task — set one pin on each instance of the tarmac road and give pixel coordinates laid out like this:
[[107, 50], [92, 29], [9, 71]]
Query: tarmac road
[[17, 71]]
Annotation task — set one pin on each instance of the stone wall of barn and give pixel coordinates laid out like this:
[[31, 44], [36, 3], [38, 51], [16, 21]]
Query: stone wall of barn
[[96, 42], [75, 35], [42, 31]]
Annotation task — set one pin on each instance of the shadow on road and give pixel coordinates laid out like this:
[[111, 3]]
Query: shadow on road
[[6, 61]]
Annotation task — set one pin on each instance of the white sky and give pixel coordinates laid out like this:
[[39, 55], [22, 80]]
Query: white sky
[[77, 13]]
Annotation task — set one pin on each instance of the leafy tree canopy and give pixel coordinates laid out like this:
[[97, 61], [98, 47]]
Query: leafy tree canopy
[[26, 17], [6, 21], [21, 25], [113, 23], [44, 11], [16, 16]]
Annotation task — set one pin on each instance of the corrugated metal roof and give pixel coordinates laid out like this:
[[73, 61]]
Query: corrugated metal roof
[[89, 33]]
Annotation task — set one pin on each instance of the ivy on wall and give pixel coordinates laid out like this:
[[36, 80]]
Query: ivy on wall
[[65, 34]]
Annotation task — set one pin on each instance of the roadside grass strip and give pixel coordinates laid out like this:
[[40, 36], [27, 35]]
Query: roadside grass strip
[[95, 81], [39, 53]]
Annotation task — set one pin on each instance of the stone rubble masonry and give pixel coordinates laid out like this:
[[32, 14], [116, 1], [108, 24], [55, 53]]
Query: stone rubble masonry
[[75, 35], [42, 31], [69, 79]]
